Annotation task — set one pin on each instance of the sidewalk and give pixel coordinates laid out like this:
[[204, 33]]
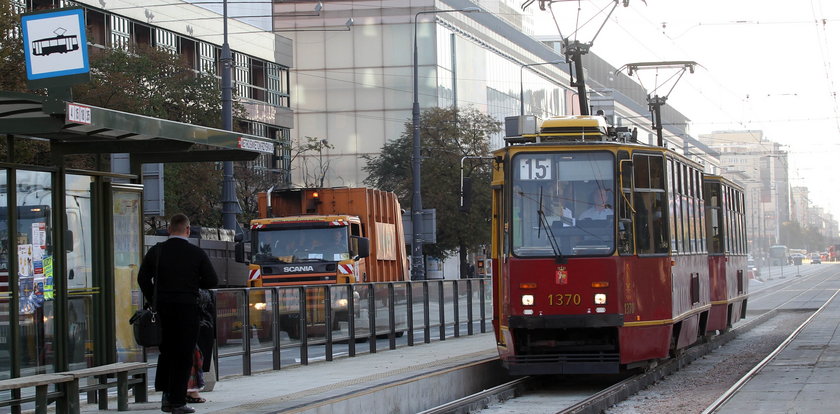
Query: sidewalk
[[296, 388], [804, 377]]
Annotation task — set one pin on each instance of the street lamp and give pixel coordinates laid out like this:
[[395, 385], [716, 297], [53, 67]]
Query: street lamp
[[418, 268], [522, 88]]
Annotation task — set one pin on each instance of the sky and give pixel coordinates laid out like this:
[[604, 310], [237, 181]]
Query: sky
[[768, 65]]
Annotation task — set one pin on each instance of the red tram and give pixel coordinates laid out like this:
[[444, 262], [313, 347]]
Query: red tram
[[599, 251]]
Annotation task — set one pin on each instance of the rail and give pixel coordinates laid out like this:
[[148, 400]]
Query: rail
[[261, 329]]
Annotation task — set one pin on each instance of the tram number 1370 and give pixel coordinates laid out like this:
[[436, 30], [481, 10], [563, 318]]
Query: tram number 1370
[[563, 299]]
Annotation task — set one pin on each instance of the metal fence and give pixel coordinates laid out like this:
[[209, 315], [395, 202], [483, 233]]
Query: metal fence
[[260, 329]]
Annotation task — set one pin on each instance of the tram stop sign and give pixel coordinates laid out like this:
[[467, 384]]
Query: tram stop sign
[[55, 48]]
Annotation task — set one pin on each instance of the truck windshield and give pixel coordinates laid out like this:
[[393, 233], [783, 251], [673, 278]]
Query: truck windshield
[[569, 196], [301, 244]]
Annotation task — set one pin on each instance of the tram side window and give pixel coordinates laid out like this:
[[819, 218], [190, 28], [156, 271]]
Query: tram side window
[[672, 206], [701, 213], [625, 213], [650, 205], [730, 213], [741, 224], [715, 218], [684, 214]]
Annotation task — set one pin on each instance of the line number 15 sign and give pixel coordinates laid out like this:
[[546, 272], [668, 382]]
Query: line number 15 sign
[[535, 168]]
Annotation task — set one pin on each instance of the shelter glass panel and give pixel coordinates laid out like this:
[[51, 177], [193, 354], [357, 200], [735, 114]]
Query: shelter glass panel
[[127, 214], [5, 292], [35, 258], [82, 290]]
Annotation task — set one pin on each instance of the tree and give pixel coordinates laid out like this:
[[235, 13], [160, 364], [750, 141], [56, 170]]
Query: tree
[[11, 50], [446, 136], [250, 181], [312, 175], [13, 78], [147, 81]]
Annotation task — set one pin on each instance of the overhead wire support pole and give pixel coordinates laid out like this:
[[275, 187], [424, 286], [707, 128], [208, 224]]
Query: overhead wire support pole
[[574, 50], [656, 102], [229, 203]]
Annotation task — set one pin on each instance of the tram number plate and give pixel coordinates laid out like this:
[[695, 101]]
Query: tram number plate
[[535, 169], [563, 299]]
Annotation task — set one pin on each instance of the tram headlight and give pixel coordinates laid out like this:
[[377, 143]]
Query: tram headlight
[[259, 306], [527, 300], [600, 298]]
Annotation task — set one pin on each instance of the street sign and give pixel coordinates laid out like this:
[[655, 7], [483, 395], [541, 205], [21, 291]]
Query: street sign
[[55, 47]]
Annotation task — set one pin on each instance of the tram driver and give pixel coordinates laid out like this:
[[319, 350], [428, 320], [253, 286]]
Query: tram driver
[[600, 209]]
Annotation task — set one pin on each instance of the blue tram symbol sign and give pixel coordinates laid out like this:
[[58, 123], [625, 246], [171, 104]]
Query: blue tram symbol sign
[[55, 45]]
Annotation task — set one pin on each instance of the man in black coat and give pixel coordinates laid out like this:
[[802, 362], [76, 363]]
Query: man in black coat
[[182, 269]]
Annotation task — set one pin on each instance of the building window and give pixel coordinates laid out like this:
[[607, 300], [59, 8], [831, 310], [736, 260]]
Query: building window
[[242, 75], [278, 85], [120, 32], [207, 58], [166, 40]]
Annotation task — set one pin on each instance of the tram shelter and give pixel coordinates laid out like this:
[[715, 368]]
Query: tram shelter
[[68, 281]]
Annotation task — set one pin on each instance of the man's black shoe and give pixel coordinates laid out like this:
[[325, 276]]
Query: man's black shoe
[[184, 409], [165, 406]]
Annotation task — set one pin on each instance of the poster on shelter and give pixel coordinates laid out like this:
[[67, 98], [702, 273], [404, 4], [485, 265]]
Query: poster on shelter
[[49, 285], [25, 260]]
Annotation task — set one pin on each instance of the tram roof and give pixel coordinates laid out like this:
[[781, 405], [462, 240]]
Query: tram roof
[[723, 180], [152, 140]]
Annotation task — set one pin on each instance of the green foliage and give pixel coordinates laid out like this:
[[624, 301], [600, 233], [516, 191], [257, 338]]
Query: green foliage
[[446, 136], [13, 78], [12, 67], [151, 82]]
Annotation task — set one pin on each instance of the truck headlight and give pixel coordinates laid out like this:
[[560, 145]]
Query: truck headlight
[[600, 298], [527, 300]]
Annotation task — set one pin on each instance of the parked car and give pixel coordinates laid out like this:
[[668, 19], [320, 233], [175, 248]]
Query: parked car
[[796, 259], [815, 259], [752, 269]]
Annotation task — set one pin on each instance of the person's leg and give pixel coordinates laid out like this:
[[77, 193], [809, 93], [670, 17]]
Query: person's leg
[[180, 323], [182, 355]]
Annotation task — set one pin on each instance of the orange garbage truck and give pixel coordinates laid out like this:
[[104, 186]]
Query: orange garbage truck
[[318, 236]]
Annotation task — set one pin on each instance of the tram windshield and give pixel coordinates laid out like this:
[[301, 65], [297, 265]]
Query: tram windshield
[[563, 201]]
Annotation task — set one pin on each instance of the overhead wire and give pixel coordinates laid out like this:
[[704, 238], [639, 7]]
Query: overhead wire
[[824, 47]]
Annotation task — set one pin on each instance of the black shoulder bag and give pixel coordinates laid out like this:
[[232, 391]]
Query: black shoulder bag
[[146, 321]]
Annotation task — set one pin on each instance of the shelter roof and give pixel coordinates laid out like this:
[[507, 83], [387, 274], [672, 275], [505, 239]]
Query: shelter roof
[[84, 129]]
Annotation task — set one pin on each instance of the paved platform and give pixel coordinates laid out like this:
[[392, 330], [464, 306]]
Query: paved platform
[[803, 378], [306, 388]]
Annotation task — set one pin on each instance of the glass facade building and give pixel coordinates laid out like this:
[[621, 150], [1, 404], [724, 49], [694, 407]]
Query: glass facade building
[[354, 87]]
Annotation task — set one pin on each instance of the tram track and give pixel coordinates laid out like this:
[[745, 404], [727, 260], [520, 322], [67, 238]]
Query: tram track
[[758, 367], [600, 401]]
